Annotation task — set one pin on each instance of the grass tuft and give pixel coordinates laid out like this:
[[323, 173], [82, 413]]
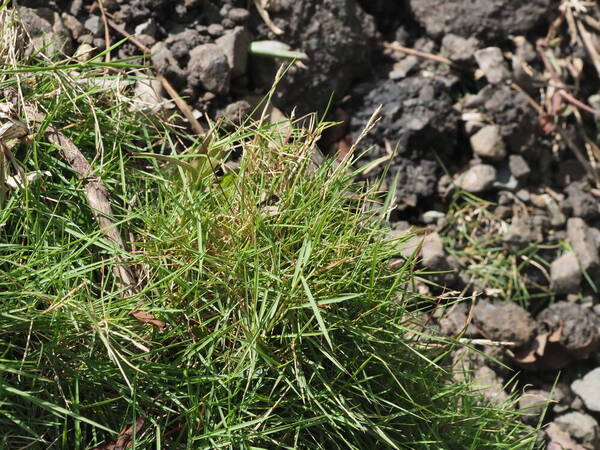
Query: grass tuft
[[267, 315]]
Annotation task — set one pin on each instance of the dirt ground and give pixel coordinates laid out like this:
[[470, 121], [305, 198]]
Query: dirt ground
[[487, 136]]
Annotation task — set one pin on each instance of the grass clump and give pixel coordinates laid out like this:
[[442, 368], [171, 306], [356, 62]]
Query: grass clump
[[269, 316]]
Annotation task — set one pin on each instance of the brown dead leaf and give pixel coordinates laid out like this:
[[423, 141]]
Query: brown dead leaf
[[146, 317]]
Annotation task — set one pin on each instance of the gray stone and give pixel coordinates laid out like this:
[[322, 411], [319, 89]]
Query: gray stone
[[459, 49], [94, 25], [518, 167], [524, 195], [488, 144], [478, 178], [235, 45], [582, 240], [577, 324], [238, 15], [580, 426], [532, 404], [180, 44], [490, 385], [504, 179], [504, 321], [503, 212], [46, 29], [473, 126], [432, 216], [557, 218], [215, 29], [236, 112], [454, 319], [588, 388], [488, 20], [148, 28], [406, 247], [166, 64], [433, 254], [208, 67], [521, 232], [76, 6], [73, 25], [583, 203], [491, 61], [402, 68], [565, 274]]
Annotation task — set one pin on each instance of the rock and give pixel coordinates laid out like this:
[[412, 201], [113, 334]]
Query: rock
[[215, 29], [459, 49], [166, 64], [488, 20], [75, 8], [73, 25], [208, 67], [511, 111], [407, 247], [454, 319], [524, 195], [236, 112], [504, 179], [518, 167], [46, 29], [432, 216], [238, 15], [473, 126], [581, 426], [180, 44], [521, 232], [559, 439], [565, 274], [94, 25], [433, 254], [584, 245], [478, 178], [338, 37], [577, 325], [402, 68], [487, 143], [503, 212], [557, 218], [417, 115], [465, 361], [235, 45], [148, 28], [504, 321], [588, 388], [99, 43], [491, 61], [532, 405], [83, 53], [583, 203], [490, 385]]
